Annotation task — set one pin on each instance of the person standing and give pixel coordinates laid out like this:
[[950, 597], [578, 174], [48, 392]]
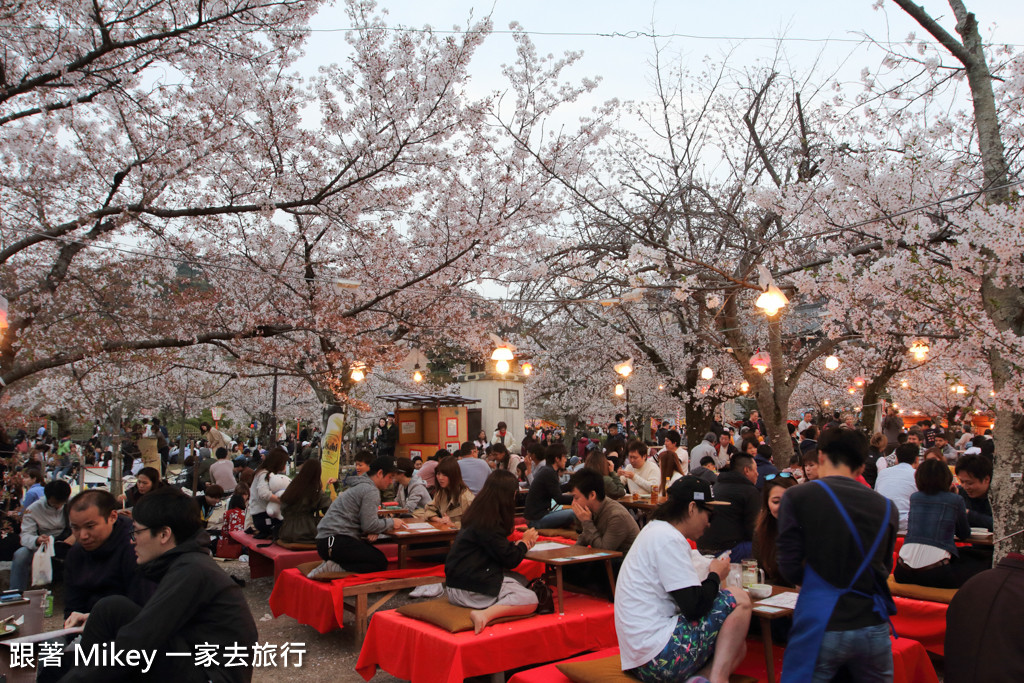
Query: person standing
[[836, 539]]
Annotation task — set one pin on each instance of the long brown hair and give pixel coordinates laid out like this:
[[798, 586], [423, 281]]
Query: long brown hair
[[275, 462], [597, 461], [449, 467], [305, 486], [766, 531], [493, 509], [669, 465]]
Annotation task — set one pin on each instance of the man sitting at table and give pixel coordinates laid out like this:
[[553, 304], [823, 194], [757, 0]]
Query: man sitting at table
[[836, 539], [546, 493], [898, 484], [732, 527], [474, 470], [975, 475], [640, 473], [607, 525], [103, 560], [353, 515]]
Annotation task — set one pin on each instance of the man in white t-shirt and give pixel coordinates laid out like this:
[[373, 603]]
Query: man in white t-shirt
[[671, 622], [897, 483], [639, 474], [805, 423], [673, 444]]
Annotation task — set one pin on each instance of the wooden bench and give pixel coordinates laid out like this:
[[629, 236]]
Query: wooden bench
[[322, 604], [272, 559]]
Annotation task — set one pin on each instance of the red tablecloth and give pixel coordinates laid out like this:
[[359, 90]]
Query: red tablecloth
[[321, 604], [910, 664], [922, 621], [422, 653]]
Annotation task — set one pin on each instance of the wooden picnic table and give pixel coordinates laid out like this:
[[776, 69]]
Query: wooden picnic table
[[640, 502], [574, 554], [767, 615], [392, 511], [406, 538]]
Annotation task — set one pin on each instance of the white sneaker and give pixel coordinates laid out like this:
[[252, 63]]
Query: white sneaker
[[327, 566], [429, 590]]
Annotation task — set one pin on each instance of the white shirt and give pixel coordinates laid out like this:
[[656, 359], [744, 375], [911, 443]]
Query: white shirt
[[658, 563], [681, 454], [897, 484], [804, 424], [644, 479]]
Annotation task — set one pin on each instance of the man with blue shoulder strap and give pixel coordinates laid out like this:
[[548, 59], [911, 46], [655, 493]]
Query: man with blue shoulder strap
[[836, 539]]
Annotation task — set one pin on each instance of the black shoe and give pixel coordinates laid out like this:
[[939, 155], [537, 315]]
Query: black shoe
[[240, 582]]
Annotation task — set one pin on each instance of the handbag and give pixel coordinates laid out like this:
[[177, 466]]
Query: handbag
[[545, 599]]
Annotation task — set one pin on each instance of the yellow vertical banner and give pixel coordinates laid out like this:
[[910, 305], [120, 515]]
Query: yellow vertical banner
[[330, 454]]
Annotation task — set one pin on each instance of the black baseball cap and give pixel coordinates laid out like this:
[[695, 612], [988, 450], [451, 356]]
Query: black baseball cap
[[691, 488]]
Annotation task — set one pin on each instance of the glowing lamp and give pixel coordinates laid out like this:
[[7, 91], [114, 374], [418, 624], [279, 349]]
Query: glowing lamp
[[358, 374], [502, 366], [661, 387], [619, 390], [761, 361], [904, 384], [707, 373], [744, 386], [831, 363], [852, 390], [527, 368], [625, 368], [825, 402], [961, 389], [771, 300], [502, 353], [417, 377], [919, 350], [858, 381]]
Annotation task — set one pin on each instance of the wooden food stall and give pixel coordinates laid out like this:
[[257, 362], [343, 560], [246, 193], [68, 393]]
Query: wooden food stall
[[428, 423]]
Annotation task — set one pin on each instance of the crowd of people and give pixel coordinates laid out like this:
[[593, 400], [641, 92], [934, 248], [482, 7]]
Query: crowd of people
[[827, 521]]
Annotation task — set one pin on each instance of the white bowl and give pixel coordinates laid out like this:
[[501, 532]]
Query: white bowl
[[759, 591]]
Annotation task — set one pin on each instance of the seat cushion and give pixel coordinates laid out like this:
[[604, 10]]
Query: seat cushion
[[307, 567], [915, 592], [447, 616], [604, 670], [296, 546]]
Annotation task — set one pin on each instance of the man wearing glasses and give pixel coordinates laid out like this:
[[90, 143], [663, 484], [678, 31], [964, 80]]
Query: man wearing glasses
[[195, 603]]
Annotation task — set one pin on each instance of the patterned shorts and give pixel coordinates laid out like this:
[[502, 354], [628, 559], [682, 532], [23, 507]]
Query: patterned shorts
[[691, 646]]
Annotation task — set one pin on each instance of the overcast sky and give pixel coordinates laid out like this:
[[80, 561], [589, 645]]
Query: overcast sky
[[812, 29]]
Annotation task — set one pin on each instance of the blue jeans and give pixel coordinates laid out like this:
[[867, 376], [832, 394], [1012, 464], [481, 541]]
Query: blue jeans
[[553, 520], [866, 652], [21, 568]]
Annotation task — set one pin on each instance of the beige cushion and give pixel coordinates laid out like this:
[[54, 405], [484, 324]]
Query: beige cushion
[[447, 616], [307, 567], [605, 670], [296, 546], [563, 533], [915, 592]]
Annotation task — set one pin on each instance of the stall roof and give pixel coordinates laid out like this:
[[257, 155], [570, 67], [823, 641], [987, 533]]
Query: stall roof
[[430, 400]]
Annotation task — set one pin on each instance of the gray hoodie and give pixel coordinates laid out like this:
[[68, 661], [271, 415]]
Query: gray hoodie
[[354, 512], [41, 520]]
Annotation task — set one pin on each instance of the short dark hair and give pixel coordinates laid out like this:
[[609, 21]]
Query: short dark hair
[[978, 466], [405, 466], [35, 473], [221, 453], [365, 456], [907, 453], [844, 446], [673, 436], [810, 433], [707, 460], [637, 446], [102, 500], [169, 507], [740, 462], [58, 490], [383, 463], [933, 476], [765, 451], [502, 425], [554, 452], [809, 456], [588, 481], [467, 447], [498, 448]]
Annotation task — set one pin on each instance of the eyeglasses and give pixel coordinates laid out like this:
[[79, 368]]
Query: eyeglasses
[[784, 475], [135, 531]]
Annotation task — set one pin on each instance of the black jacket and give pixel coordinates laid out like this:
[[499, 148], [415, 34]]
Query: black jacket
[[111, 569], [479, 558], [543, 490], [195, 602], [733, 523]]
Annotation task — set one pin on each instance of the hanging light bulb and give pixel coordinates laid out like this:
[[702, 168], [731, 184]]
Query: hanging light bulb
[[625, 368], [527, 368], [904, 384], [707, 373], [919, 350], [358, 374], [825, 402], [502, 366], [744, 386], [417, 376], [961, 389], [771, 300], [761, 361], [858, 381], [831, 363], [619, 390], [661, 387], [852, 390]]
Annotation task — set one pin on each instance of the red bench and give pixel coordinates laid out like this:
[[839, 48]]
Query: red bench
[[272, 559], [419, 652]]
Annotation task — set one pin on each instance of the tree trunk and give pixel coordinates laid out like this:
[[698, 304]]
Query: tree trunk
[[872, 393]]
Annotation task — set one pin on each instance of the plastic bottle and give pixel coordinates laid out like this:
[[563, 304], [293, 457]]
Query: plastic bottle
[[48, 608]]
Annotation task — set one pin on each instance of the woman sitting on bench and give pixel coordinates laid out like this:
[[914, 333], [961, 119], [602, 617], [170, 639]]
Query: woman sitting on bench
[[478, 569]]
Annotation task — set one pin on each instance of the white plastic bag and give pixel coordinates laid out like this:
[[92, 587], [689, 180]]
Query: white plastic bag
[[42, 565]]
